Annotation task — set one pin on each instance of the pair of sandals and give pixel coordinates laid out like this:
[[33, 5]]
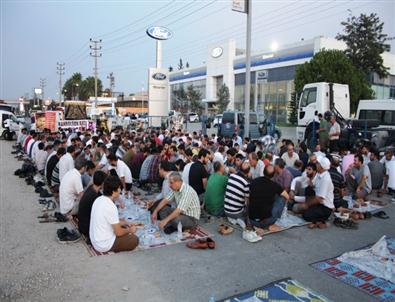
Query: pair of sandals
[[225, 229], [202, 244], [381, 215], [348, 224]]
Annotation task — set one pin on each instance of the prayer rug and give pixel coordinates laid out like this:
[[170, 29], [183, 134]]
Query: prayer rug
[[283, 290], [286, 222], [361, 268], [150, 241]]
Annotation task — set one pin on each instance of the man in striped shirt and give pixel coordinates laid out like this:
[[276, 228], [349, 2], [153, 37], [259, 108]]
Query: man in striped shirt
[[237, 193], [187, 209]]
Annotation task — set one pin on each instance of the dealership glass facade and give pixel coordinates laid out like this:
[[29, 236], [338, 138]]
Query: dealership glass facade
[[178, 94], [270, 91]]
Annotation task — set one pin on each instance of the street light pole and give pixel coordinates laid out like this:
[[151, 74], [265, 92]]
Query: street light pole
[[248, 71]]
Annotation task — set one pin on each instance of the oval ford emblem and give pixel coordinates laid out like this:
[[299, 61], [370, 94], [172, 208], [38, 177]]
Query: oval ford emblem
[[159, 76], [216, 52], [159, 33]]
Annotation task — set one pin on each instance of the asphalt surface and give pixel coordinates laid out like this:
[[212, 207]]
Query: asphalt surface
[[35, 267]]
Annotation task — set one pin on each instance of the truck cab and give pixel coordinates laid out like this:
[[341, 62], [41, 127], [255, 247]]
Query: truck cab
[[9, 125], [318, 98]]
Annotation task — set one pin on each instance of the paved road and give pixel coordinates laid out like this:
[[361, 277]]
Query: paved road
[[34, 267]]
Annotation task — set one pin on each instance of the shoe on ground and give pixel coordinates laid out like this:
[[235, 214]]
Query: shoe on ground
[[61, 232], [198, 245], [251, 236], [69, 237], [45, 194], [60, 217], [225, 229]]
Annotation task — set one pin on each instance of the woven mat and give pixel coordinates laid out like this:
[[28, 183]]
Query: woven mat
[[282, 290], [374, 286]]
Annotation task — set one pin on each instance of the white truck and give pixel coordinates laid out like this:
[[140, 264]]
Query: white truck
[[374, 123], [319, 98], [9, 125]]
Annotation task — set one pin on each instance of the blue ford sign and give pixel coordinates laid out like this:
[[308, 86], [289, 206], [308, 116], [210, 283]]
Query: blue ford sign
[[159, 33], [159, 76]]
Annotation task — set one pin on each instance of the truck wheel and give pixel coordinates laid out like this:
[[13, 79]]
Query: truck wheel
[[8, 135]]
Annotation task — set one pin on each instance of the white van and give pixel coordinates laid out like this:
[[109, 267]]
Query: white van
[[382, 110]]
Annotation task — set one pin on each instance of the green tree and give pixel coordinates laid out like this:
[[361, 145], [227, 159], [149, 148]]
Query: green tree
[[194, 99], [365, 43], [293, 109], [170, 68], [180, 99], [222, 98], [187, 65], [333, 66], [87, 88], [71, 86]]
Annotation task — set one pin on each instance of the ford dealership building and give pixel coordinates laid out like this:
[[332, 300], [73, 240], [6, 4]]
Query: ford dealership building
[[272, 76]]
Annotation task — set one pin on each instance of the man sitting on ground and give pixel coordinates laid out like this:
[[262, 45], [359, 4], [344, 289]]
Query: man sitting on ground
[[267, 201], [87, 200], [358, 179], [123, 172], [256, 164], [165, 169], [290, 157], [318, 208], [215, 190], [107, 232], [71, 190], [88, 174], [377, 170], [187, 211], [51, 164], [282, 176], [237, 194], [66, 163], [198, 174], [299, 186], [339, 184]]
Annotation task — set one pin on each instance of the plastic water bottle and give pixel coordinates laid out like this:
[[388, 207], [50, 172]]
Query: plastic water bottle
[[179, 230], [212, 299]]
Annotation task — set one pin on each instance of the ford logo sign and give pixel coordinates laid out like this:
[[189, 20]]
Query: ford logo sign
[[159, 33], [216, 52], [159, 76]]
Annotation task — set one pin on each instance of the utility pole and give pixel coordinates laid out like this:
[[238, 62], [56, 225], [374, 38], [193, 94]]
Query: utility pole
[[95, 48], [60, 72], [112, 82], [245, 7], [248, 71], [43, 83]]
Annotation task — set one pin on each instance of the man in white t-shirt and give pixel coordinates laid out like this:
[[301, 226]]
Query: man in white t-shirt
[[66, 162], [290, 157], [123, 172], [320, 207], [390, 177], [71, 189], [107, 232]]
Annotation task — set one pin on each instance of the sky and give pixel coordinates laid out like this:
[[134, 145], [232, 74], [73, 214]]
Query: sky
[[35, 35]]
